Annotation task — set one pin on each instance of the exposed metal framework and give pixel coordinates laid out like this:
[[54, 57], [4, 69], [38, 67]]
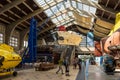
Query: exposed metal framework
[[16, 14]]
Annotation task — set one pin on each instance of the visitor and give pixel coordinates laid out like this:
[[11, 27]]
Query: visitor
[[79, 63], [74, 62], [66, 64], [60, 66]]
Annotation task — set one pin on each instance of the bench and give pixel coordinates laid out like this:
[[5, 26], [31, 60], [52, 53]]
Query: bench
[[43, 66]]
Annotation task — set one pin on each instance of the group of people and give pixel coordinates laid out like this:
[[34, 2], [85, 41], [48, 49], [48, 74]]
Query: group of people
[[76, 61]]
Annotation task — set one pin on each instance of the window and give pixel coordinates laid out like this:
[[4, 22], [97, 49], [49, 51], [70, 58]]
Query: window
[[1, 38], [25, 43], [13, 41]]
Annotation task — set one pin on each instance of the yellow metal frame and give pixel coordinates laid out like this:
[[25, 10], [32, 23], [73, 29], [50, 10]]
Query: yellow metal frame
[[117, 24], [6, 73]]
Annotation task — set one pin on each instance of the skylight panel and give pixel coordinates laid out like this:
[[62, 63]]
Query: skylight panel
[[48, 12], [63, 15], [60, 11], [70, 13], [67, 4], [49, 1], [79, 6], [61, 6], [59, 18], [55, 9], [74, 4], [41, 2], [55, 20], [93, 10], [85, 7], [95, 1]]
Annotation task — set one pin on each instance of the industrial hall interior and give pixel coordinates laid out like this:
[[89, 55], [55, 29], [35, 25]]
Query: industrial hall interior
[[59, 39]]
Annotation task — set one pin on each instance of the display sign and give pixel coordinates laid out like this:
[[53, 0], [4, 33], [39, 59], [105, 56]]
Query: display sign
[[67, 38]]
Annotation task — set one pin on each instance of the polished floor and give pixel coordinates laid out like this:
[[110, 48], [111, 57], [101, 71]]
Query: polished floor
[[94, 73], [31, 74]]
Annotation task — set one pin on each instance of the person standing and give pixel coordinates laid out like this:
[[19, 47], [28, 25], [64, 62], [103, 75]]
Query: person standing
[[60, 62], [74, 62], [79, 63], [66, 64]]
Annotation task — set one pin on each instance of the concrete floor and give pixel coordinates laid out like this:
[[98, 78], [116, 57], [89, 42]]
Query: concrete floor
[[31, 74], [95, 73]]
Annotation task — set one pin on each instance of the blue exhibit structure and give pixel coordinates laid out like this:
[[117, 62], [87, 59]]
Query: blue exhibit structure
[[29, 55]]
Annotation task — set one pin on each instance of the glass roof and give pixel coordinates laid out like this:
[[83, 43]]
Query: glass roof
[[61, 11]]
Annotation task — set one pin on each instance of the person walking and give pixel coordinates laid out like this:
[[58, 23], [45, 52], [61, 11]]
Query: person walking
[[60, 62]]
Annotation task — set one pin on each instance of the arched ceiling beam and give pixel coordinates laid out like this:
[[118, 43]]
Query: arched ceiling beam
[[10, 5], [92, 4], [51, 27], [9, 1], [96, 5], [4, 20], [12, 26], [28, 7], [23, 34], [109, 10]]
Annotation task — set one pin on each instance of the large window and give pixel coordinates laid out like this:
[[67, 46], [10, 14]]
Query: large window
[[1, 38], [13, 41], [25, 43]]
